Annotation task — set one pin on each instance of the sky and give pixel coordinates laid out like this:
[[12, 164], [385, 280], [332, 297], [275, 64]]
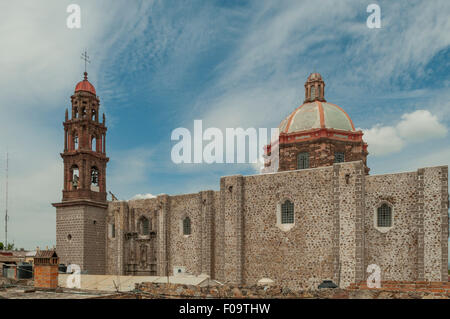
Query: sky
[[160, 65]]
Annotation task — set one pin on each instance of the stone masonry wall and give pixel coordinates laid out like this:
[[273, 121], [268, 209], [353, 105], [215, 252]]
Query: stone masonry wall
[[303, 255], [394, 251], [69, 221], [185, 250], [237, 238]]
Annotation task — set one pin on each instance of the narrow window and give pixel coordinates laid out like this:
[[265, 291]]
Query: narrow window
[[287, 212], [144, 226], [75, 177], [112, 230], [303, 160], [94, 115], [75, 140], [187, 226], [313, 92], [339, 157], [94, 143], [94, 179], [384, 216]]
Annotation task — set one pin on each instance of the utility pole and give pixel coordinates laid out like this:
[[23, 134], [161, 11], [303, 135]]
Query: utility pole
[[6, 205]]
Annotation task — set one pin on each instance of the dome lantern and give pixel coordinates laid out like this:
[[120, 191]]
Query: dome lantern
[[314, 88]]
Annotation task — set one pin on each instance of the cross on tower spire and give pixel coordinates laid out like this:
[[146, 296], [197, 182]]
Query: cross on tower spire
[[85, 57]]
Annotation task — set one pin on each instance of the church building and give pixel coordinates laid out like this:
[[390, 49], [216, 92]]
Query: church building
[[321, 216]]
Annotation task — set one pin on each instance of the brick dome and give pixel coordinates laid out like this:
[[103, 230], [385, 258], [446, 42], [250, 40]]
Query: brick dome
[[85, 86]]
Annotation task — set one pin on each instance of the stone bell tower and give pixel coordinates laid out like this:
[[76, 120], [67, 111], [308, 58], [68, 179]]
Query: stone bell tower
[[80, 216]]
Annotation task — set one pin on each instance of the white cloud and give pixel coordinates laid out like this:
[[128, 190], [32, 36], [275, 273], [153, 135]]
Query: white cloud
[[420, 125], [383, 140], [143, 196], [414, 127], [128, 172]]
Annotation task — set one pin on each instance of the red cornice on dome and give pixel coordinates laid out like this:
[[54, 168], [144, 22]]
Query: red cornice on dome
[[85, 86], [316, 134]]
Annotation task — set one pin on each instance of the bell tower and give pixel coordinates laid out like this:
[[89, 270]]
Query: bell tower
[[84, 147], [81, 215]]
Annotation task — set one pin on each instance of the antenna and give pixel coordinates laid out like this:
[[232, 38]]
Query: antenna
[[6, 205]]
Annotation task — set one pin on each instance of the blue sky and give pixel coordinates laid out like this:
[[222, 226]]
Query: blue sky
[[159, 65]]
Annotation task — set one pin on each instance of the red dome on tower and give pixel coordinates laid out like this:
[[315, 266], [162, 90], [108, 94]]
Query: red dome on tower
[[85, 86]]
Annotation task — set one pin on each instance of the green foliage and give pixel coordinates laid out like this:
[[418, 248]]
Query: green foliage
[[9, 247]]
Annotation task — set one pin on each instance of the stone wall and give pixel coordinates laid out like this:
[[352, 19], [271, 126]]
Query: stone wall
[[80, 236], [302, 255], [395, 251], [237, 237], [415, 248], [390, 291]]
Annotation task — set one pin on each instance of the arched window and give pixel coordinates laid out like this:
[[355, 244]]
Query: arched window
[[75, 140], [94, 179], [75, 177], [303, 160], [94, 143], [287, 212], [144, 226], [75, 113], [83, 113], [313, 92], [187, 226], [93, 115], [384, 216]]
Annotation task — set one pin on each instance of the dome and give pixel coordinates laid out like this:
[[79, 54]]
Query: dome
[[314, 77], [85, 86], [316, 115]]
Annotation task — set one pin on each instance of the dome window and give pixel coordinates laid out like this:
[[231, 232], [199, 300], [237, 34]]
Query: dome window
[[303, 160], [339, 157]]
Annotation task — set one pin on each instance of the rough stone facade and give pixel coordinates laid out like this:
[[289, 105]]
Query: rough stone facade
[[235, 236]]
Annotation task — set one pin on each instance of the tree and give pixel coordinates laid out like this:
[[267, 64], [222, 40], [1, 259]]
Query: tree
[[10, 247], [1, 246]]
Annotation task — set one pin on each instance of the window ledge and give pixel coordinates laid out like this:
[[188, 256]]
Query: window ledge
[[383, 229], [285, 227]]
